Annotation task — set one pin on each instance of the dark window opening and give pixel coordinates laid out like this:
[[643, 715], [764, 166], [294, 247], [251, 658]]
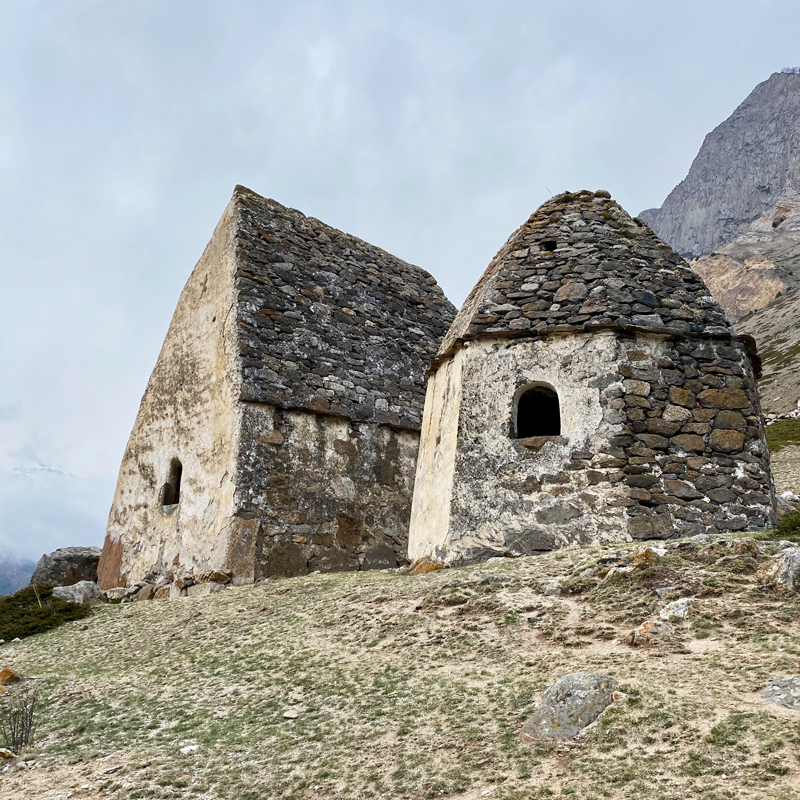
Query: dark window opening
[[538, 413], [171, 490], [549, 245]]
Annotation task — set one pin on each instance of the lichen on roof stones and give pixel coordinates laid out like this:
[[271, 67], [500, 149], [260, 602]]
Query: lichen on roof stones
[[330, 323], [581, 262]]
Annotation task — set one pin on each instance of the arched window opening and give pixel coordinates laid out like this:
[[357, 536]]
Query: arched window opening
[[171, 490], [538, 413]]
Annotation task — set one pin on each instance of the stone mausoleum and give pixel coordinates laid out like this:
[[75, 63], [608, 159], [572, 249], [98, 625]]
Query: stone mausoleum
[[589, 389], [279, 430]]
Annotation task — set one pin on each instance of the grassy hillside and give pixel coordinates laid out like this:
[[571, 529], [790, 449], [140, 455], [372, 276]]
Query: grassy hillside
[[386, 685]]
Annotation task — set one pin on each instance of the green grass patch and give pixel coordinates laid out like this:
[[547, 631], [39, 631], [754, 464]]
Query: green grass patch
[[34, 610], [783, 433]]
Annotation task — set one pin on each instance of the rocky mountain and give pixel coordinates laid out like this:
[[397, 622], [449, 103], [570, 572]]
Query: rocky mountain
[[747, 166], [737, 212], [14, 573]]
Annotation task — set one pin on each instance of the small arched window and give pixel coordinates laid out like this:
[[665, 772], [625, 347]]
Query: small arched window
[[171, 490], [538, 413]]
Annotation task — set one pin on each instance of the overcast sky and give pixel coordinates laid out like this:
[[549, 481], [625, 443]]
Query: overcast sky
[[431, 129]]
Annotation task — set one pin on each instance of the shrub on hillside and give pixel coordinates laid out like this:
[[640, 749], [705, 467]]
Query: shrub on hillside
[[35, 610], [18, 718], [789, 526]]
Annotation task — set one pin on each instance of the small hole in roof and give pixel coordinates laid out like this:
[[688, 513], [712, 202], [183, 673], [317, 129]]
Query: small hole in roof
[[549, 245]]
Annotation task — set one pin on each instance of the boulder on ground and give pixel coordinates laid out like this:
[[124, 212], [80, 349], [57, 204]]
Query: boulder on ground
[[213, 576], [176, 591], [425, 564], [67, 566], [117, 594], [784, 692], [651, 631], [84, 593], [204, 589], [570, 704], [783, 569], [8, 675], [146, 592], [677, 609]]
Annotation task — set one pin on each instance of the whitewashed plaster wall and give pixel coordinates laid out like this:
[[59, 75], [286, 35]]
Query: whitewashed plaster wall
[[482, 491], [188, 412], [436, 462]]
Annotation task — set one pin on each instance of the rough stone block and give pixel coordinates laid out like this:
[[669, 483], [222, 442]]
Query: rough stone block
[[726, 441], [731, 420], [681, 396], [682, 489], [689, 442], [676, 413], [662, 427], [634, 387], [529, 542], [379, 558], [724, 398]]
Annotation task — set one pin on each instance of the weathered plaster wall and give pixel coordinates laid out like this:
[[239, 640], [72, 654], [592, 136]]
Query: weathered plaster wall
[[436, 462], [510, 497], [323, 492], [188, 412], [660, 438]]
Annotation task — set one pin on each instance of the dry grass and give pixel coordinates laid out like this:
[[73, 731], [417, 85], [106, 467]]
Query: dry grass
[[417, 687]]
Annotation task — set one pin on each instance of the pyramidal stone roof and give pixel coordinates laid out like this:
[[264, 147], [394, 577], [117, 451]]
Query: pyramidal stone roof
[[581, 263], [328, 322]]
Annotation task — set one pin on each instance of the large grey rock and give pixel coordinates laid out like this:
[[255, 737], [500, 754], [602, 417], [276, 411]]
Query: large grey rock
[[84, 592], [529, 542], [570, 704], [67, 565], [746, 164], [379, 558], [783, 569], [784, 692]]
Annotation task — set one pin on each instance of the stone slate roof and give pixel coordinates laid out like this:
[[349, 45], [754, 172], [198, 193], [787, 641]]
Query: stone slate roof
[[330, 323], [581, 263]]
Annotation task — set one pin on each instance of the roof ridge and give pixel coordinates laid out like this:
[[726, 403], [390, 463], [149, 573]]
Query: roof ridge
[[581, 260]]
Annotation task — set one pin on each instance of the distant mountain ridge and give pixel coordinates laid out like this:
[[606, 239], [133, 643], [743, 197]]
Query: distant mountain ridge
[[15, 574]]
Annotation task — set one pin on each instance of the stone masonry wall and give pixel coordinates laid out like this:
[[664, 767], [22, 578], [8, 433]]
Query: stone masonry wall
[[659, 438], [690, 442], [518, 496], [326, 493]]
